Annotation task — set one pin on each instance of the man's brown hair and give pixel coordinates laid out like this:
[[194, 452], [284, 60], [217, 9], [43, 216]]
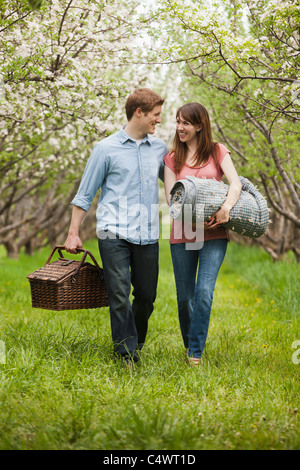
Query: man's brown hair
[[143, 98]]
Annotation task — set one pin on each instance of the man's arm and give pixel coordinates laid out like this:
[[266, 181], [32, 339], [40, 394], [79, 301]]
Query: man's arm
[[90, 183], [73, 241], [161, 171]]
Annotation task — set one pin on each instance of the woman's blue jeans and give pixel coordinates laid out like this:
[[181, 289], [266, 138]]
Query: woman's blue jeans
[[195, 291], [125, 263]]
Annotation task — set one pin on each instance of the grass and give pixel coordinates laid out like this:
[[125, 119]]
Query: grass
[[60, 388]]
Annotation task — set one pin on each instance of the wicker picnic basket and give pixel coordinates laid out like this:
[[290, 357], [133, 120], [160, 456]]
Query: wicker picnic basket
[[67, 284]]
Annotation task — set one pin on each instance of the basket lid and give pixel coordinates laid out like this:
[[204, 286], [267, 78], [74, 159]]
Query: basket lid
[[55, 271]]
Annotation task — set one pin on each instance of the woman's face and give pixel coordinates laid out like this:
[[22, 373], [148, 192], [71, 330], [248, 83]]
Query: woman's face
[[187, 132]]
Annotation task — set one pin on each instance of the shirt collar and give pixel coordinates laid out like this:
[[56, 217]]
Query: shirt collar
[[125, 137]]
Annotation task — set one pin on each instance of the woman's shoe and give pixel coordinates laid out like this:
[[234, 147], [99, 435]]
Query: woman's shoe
[[194, 361]]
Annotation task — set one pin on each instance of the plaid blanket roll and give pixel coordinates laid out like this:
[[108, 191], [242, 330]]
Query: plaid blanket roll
[[248, 217]]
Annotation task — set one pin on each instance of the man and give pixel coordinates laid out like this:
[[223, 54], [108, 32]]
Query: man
[[126, 166]]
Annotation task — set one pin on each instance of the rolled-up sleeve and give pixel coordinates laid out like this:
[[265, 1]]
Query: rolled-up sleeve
[[92, 179]]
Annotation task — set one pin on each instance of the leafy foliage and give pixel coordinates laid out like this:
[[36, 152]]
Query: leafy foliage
[[63, 73], [242, 58]]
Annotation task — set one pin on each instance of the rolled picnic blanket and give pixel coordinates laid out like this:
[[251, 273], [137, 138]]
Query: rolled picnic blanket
[[248, 217]]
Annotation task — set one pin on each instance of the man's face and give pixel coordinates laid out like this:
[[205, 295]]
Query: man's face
[[148, 121]]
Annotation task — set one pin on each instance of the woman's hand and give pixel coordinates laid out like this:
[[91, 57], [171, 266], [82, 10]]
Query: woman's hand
[[219, 218]]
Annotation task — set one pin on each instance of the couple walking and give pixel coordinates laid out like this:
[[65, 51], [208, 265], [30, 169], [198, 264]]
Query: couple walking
[[126, 166]]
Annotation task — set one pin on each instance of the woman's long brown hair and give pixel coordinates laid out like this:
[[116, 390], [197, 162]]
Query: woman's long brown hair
[[196, 114]]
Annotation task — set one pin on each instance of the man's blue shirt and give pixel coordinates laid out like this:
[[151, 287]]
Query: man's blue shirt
[[128, 176]]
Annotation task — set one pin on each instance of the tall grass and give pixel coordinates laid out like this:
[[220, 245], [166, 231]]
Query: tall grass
[[61, 389]]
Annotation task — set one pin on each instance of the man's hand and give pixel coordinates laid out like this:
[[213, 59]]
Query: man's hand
[[72, 243]]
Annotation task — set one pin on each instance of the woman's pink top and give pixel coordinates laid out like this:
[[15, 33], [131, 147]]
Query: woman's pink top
[[208, 170]]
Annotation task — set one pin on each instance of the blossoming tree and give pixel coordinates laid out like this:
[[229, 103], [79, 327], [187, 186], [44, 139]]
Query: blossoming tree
[[242, 59], [62, 75]]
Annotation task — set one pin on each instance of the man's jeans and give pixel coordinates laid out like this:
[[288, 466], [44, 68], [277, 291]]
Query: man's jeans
[[194, 297], [125, 263]]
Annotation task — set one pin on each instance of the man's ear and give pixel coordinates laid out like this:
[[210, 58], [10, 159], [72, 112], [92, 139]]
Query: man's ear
[[138, 112]]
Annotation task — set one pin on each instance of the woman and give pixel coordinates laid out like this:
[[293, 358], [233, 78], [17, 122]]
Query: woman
[[194, 153]]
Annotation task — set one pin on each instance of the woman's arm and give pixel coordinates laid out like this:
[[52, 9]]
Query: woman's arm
[[235, 186], [170, 180]]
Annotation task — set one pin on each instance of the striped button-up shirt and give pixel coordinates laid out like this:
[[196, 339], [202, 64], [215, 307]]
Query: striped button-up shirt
[[127, 173]]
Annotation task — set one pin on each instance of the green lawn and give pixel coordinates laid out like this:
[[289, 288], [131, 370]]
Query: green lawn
[[60, 388]]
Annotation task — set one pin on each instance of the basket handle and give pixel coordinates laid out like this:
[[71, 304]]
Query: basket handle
[[79, 250]]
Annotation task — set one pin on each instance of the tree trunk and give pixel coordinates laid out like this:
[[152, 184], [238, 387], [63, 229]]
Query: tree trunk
[[12, 249]]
